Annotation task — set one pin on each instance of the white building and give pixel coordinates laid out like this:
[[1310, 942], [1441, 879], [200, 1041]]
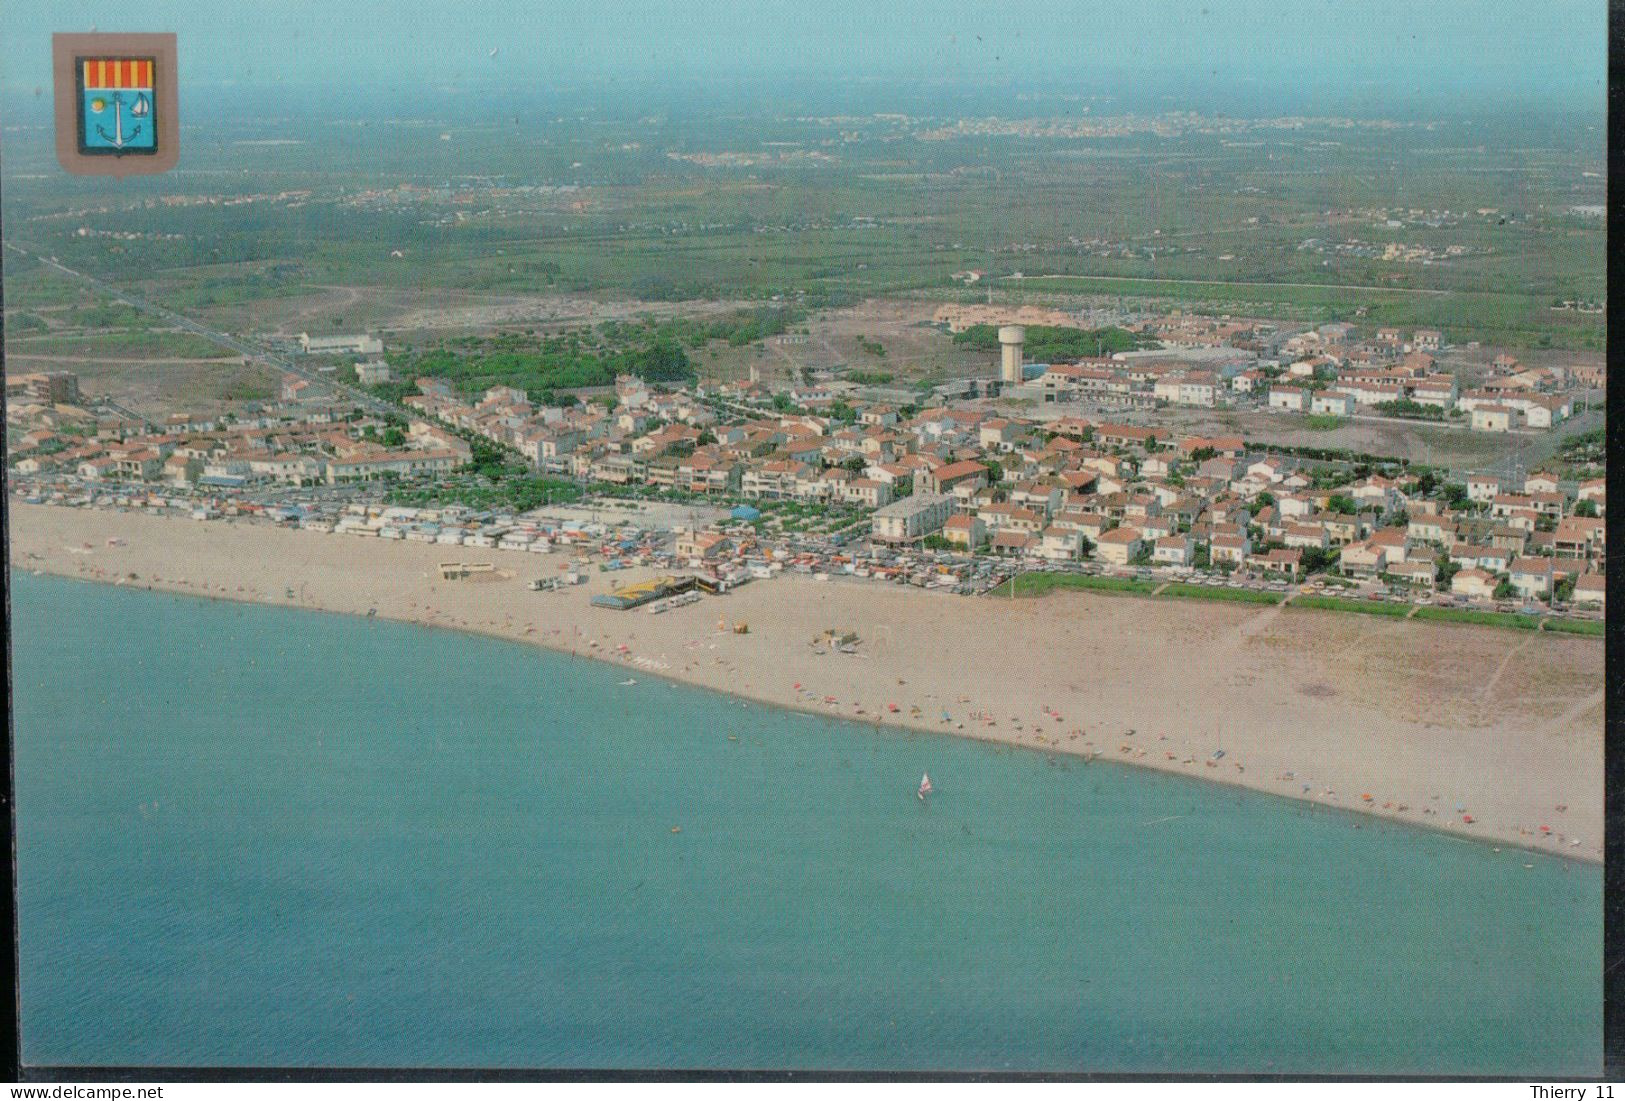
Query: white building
[[358, 344], [912, 518], [372, 372], [1291, 398], [1332, 402]]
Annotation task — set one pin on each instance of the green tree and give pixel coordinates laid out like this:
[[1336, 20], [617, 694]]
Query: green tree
[[1317, 559], [841, 411], [1587, 508], [1446, 570]]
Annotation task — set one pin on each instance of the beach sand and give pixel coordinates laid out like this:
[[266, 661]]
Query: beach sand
[[1435, 722]]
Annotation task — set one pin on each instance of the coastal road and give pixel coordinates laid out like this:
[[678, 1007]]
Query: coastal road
[[254, 352]]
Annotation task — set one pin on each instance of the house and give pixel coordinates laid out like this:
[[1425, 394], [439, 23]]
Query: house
[[1413, 573], [1304, 535], [1013, 544], [1482, 487], [1091, 524], [1293, 399], [707, 546], [1230, 549], [1596, 491], [1531, 577], [964, 531], [1436, 390], [1473, 583], [1591, 590], [1192, 388], [1129, 435], [1363, 560], [1173, 550], [1471, 556], [943, 478], [1038, 496], [1430, 529], [372, 372], [1491, 418], [1060, 544], [1394, 542], [1156, 527], [1578, 537], [1427, 340], [1333, 403], [1120, 546], [1278, 561], [998, 434], [1544, 411]]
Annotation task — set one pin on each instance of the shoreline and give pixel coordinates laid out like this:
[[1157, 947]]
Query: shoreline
[[1411, 757], [1355, 814]]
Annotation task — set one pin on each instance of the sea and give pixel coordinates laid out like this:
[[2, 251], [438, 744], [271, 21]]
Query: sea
[[258, 836]]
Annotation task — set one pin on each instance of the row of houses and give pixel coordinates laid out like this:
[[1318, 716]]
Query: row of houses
[[202, 451]]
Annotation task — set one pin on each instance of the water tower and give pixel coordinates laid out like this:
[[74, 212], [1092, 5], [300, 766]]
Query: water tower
[[1011, 338]]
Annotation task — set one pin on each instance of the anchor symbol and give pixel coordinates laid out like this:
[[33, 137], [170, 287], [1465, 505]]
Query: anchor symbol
[[139, 109]]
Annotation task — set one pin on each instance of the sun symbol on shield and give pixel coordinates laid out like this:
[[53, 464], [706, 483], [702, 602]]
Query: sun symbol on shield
[[98, 105]]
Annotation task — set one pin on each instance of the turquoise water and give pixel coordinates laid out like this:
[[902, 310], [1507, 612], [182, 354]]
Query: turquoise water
[[265, 836]]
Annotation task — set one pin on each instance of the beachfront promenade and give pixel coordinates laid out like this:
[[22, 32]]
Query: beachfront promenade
[[1481, 732]]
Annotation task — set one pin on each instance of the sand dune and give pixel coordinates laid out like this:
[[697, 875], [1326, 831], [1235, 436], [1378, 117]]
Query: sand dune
[[1435, 722]]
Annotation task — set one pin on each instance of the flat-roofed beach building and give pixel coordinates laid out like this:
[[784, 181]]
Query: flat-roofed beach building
[[912, 518]]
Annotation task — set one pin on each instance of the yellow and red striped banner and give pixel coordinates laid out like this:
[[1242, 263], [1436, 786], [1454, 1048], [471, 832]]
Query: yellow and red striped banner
[[117, 72]]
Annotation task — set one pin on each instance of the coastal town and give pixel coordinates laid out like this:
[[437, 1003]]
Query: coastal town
[[1058, 469], [663, 542]]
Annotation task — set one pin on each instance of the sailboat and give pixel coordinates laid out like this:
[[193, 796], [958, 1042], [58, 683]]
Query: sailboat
[[925, 786]]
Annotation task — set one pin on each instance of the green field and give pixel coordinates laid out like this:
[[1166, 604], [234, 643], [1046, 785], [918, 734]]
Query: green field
[[1037, 584], [1340, 604], [1594, 628], [818, 208], [1218, 592], [136, 343], [1488, 619]]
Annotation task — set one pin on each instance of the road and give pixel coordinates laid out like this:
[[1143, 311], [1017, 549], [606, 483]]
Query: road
[[248, 349], [1255, 285], [124, 411]]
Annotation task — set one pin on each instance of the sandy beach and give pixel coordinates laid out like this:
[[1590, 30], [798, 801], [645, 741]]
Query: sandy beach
[[1484, 732]]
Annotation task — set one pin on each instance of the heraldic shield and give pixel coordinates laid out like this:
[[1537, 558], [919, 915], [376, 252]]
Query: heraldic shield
[[117, 106]]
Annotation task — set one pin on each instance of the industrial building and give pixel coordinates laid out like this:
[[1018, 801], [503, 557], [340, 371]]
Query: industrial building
[[359, 344]]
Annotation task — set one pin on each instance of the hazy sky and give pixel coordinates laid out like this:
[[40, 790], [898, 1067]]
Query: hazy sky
[[1547, 50]]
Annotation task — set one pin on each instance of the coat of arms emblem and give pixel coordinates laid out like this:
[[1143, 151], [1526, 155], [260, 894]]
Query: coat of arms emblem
[[116, 103], [116, 106]]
